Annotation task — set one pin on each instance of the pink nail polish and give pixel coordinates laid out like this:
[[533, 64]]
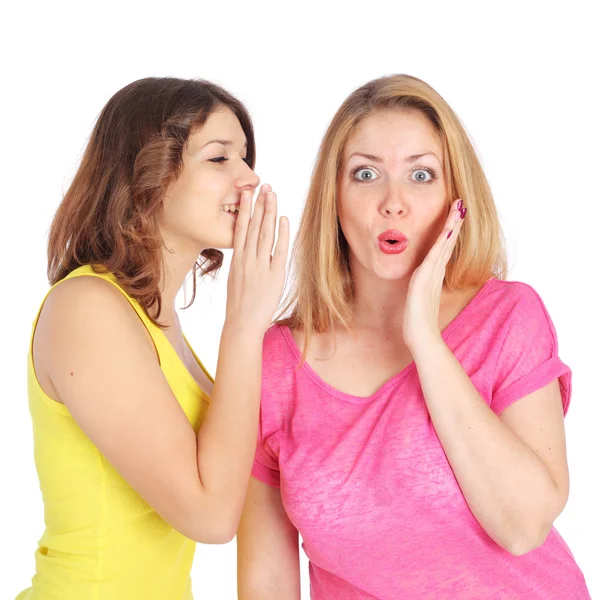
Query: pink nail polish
[[459, 205], [463, 213], [449, 233]]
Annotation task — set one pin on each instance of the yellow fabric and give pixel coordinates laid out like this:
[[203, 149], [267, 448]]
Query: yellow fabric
[[102, 540]]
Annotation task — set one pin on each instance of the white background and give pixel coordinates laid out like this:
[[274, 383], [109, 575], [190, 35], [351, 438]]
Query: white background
[[523, 77]]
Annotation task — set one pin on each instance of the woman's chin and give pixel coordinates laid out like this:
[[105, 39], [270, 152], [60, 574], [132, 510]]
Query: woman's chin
[[399, 268], [393, 275], [393, 272], [389, 269], [222, 240]]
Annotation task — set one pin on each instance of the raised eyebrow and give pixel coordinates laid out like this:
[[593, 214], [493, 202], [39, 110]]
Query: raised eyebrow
[[367, 156], [415, 157], [410, 159]]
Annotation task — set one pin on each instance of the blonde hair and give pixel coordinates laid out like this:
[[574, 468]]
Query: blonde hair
[[321, 285]]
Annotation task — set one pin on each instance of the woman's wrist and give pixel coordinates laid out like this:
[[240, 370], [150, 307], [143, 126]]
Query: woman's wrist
[[423, 344], [243, 329]]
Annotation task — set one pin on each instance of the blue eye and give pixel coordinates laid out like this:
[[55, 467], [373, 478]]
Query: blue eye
[[364, 174], [422, 175]]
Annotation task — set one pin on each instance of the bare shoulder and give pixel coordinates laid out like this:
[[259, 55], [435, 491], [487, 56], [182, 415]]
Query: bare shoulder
[[83, 295], [87, 303], [83, 312]]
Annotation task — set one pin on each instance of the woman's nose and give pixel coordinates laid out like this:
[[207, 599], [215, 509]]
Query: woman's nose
[[393, 211], [393, 205], [248, 179]]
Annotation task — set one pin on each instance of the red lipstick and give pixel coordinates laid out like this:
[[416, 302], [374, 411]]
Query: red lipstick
[[392, 241]]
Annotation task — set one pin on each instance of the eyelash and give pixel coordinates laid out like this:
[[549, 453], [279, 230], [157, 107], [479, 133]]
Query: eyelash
[[430, 171], [219, 160]]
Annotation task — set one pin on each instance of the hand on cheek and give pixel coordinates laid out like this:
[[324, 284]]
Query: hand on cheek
[[422, 308]]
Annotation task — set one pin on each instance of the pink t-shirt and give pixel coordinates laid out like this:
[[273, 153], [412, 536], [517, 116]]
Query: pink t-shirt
[[366, 481]]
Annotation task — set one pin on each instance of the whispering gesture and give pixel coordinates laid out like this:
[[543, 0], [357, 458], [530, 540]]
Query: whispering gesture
[[422, 308], [256, 276]]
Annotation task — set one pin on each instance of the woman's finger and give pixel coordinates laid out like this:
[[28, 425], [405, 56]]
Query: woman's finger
[[280, 253], [266, 236], [453, 220], [242, 221], [256, 221], [437, 250], [456, 218]]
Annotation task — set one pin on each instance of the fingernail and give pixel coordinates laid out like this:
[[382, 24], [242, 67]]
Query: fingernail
[[266, 187], [459, 205], [463, 213], [449, 233]]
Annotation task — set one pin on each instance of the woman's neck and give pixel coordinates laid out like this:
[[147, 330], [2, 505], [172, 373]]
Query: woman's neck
[[177, 263], [379, 303]]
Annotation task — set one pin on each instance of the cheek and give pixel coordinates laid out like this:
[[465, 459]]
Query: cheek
[[207, 187], [349, 218], [428, 212], [217, 184], [353, 208], [202, 193], [429, 219]]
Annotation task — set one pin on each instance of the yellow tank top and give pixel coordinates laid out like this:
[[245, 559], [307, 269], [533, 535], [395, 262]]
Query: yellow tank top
[[102, 540]]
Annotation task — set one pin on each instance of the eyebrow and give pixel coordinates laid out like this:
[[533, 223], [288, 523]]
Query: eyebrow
[[410, 159], [223, 142]]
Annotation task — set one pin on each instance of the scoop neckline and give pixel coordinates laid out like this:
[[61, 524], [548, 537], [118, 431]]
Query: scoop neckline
[[332, 391]]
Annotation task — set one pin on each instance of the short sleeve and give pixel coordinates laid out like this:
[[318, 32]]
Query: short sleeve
[[266, 465], [277, 370], [528, 359]]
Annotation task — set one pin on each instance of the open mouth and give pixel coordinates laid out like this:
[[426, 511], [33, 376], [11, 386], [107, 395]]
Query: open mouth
[[231, 208], [392, 241]]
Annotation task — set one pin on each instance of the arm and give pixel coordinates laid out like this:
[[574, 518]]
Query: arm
[[105, 371], [511, 469], [267, 546]]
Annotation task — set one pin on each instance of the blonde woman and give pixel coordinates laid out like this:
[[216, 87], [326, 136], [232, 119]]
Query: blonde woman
[[413, 399]]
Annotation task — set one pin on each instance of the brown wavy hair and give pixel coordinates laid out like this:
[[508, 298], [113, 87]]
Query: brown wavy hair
[[109, 216], [321, 286]]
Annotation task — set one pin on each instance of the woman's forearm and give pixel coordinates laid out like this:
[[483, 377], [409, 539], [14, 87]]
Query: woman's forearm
[[227, 438], [507, 486]]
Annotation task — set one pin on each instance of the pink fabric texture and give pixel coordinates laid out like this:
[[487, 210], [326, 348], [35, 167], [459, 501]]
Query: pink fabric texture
[[366, 481]]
